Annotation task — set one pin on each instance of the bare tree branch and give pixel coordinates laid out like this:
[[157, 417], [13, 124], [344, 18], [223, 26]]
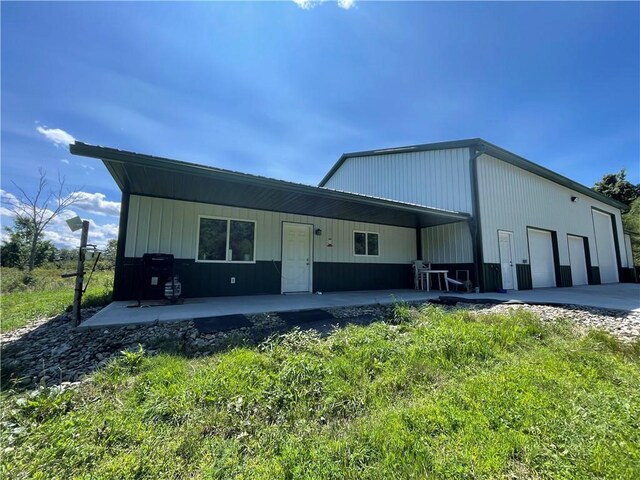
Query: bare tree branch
[[38, 210]]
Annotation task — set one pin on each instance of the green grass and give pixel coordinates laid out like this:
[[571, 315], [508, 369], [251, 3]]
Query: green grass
[[46, 294], [437, 395]]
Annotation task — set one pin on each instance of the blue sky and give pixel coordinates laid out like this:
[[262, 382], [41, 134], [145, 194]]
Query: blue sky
[[279, 90]]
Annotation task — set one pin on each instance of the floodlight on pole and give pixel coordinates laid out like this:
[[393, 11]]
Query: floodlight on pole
[[75, 223]]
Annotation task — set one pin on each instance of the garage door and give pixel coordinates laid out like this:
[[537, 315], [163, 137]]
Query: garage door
[[578, 261], [541, 258], [605, 247]]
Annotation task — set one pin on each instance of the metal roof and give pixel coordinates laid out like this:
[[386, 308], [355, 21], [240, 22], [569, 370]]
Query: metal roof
[[140, 174], [482, 146]]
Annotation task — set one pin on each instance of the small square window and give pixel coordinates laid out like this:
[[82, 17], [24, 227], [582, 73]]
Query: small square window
[[225, 240], [366, 243]]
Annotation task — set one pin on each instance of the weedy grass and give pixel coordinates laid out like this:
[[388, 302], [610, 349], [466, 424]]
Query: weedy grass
[[46, 294], [431, 394]]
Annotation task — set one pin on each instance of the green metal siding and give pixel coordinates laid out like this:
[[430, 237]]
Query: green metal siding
[[263, 277], [565, 276], [594, 278], [335, 277], [523, 271], [492, 277]]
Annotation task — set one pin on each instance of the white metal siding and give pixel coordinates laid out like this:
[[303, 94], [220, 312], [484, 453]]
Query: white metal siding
[[449, 243], [605, 247], [436, 178], [157, 225], [512, 199], [541, 251]]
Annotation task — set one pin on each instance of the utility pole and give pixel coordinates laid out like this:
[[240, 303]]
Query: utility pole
[[77, 297]]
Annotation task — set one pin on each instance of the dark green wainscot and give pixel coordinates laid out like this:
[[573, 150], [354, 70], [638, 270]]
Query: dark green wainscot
[[491, 277], [564, 279], [523, 271]]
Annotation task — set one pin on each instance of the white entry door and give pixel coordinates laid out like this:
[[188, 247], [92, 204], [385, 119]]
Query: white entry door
[[578, 261], [605, 247], [505, 239], [296, 258], [541, 259]]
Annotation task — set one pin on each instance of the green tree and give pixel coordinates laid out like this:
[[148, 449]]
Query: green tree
[[16, 251], [631, 223], [616, 186], [108, 257]]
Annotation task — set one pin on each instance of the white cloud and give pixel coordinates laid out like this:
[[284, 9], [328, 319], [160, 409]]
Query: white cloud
[[96, 203], [307, 4], [56, 135], [65, 161], [346, 4], [58, 232], [93, 203], [6, 200]]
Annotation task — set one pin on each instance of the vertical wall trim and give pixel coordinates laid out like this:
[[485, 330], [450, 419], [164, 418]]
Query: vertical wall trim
[[120, 250], [474, 222], [617, 246], [419, 243], [587, 254], [556, 257]]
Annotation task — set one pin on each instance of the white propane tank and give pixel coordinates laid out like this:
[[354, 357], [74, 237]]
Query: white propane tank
[[173, 288]]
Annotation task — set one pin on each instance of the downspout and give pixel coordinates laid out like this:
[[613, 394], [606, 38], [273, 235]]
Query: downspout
[[474, 222]]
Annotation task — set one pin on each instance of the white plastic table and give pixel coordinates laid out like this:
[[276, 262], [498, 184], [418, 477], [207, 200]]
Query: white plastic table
[[425, 274]]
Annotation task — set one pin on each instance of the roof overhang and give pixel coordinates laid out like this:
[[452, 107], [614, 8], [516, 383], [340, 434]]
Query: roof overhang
[[139, 174], [482, 146]]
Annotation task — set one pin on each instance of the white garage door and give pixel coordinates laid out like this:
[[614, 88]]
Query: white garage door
[[541, 258], [604, 246], [578, 261]]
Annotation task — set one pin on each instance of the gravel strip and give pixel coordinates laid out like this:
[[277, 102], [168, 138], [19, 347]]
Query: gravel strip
[[51, 352]]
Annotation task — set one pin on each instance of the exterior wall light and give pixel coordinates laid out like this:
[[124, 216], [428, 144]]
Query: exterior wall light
[[574, 199], [318, 231]]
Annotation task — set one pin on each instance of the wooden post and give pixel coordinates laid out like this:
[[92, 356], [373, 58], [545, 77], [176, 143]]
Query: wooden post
[[77, 296]]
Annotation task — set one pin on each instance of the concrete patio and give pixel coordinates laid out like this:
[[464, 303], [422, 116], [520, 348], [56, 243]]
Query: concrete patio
[[622, 296]]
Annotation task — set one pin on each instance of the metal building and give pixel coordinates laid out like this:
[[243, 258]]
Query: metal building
[[467, 206]]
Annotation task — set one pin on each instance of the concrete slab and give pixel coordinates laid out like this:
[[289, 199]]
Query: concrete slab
[[615, 296], [623, 296], [121, 313]]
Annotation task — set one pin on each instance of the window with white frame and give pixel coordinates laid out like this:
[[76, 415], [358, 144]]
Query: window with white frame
[[366, 243], [226, 240]]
